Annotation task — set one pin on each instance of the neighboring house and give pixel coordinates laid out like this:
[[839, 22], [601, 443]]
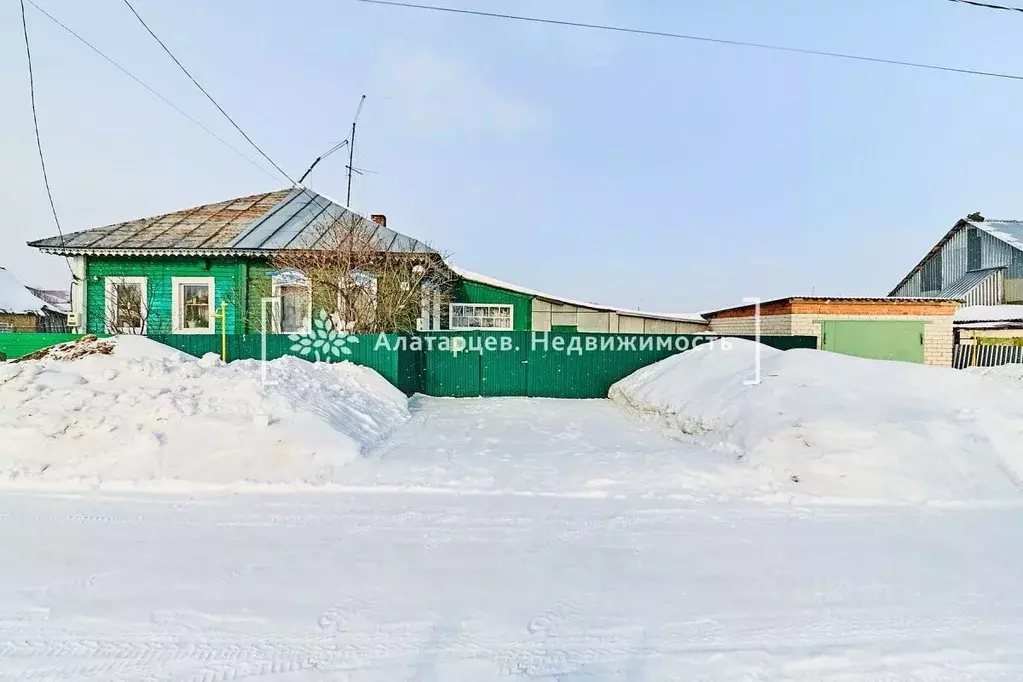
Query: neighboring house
[[908, 329], [23, 309], [978, 261], [170, 273]]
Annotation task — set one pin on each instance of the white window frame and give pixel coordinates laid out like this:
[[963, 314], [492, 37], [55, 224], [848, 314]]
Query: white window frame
[[452, 315], [110, 286], [291, 278], [176, 301]]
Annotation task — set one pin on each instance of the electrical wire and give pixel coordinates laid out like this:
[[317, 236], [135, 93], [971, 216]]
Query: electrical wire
[[39, 141], [208, 95], [988, 5], [151, 90], [698, 38]]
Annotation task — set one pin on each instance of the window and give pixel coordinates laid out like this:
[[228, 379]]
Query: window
[[357, 302], [481, 316], [126, 305], [292, 295], [192, 301], [6, 327]]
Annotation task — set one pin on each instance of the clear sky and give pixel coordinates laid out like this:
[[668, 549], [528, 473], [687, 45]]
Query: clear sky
[[626, 170]]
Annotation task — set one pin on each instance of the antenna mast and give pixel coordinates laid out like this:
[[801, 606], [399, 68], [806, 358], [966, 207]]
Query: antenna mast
[[351, 150]]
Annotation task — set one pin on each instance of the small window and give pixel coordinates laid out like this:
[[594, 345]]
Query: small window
[[292, 303], [498, 317], [193, 305], [126, 305]]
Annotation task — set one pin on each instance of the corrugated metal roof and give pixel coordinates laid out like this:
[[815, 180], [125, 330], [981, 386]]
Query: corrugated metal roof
[[288, 218], [962, 286], [300, 220]]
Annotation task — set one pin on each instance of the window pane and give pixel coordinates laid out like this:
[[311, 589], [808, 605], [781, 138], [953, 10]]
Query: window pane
[[196, 306], [128, 314], [294, 304]]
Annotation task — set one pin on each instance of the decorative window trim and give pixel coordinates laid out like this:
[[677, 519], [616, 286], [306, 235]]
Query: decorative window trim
[[290, 279], [452, 315], [176, 322], [110, 288]]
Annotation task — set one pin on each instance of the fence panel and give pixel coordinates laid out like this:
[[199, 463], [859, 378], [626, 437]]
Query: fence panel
[[13, 345], [459, 364], [985, 355]]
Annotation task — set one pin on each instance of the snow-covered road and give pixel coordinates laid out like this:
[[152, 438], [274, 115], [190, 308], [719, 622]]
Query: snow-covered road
[[590, 581]]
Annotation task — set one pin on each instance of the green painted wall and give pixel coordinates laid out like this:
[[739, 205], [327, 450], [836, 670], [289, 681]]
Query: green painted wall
[[228, 273], [475, 292], [876, 339]]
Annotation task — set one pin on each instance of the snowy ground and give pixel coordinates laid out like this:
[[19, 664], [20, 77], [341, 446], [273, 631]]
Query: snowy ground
[[591, 581], [433, 587]]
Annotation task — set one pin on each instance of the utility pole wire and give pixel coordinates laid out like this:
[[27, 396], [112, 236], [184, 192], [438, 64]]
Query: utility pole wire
[[39, 141], [208, 95], [696, 38], [988, 5], [151, 90]]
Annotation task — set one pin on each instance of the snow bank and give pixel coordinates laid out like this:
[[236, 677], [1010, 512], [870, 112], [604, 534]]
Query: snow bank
[[831, 425], [148, 414]]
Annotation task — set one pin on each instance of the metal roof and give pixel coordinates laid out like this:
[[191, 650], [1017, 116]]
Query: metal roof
[[962, 286], [288, 218], [1008, 231]]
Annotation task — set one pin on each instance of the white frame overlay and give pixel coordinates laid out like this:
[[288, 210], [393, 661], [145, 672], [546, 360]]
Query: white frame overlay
[[510, 306], [110, 299], [176, 301]]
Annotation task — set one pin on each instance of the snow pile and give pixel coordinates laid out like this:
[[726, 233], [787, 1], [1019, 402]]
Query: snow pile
[[1011, 372], [152, 415], [831, 425]]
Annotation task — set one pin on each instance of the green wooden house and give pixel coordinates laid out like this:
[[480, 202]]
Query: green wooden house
[[170, 274]]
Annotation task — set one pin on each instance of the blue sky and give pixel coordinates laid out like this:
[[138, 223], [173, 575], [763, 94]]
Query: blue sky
[[626, 170]]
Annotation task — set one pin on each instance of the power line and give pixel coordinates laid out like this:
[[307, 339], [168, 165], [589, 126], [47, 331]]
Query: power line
[[39, 141], [208, 95], [988, 5], [702, 39], [151, 90]]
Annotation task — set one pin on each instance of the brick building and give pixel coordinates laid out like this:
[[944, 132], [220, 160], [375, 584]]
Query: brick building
[[908, 329]]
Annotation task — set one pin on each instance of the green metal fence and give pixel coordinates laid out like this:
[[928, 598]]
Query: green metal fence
[[468, 364], [16, 344]]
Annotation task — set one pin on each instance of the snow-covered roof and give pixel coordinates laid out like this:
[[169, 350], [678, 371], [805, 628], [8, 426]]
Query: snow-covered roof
[[989, 313], [483, 279], [15, 298]]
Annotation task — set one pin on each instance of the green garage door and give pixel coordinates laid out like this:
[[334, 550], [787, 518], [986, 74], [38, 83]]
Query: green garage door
[[877, 339]]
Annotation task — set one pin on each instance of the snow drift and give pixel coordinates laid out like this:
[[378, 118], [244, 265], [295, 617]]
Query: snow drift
[[827, 425], [136, 411]]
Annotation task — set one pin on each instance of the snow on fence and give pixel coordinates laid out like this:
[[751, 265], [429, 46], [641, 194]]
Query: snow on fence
[[469, 364]]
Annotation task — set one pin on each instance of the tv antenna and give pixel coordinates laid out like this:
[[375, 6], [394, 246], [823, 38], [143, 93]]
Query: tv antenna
[[351, 150], [321, 157]]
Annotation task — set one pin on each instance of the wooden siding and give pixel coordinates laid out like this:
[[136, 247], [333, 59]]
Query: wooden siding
[[476, 292], [228, 274]]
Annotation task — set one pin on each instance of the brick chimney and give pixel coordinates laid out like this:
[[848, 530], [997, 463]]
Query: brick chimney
[[380, 219]]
